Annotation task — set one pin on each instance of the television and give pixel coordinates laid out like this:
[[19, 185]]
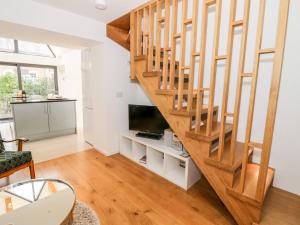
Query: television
[[146, 119]]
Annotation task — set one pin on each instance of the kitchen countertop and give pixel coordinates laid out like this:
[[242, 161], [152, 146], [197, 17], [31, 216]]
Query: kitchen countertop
[[40, 101]]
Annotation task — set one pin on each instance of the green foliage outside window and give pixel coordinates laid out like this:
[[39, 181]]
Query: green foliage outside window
[[41, 86], [8, 85]]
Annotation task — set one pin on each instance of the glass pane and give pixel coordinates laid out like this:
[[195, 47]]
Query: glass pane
[[38, 81], [34, 49], [8, 86], [7, 45]]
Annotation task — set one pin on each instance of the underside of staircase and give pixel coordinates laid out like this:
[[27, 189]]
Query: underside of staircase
[[212, 142]]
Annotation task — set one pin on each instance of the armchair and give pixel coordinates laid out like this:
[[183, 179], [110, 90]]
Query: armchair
[[13, 161]]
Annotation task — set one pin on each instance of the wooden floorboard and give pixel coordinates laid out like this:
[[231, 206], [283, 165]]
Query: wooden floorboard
[[122, 192]]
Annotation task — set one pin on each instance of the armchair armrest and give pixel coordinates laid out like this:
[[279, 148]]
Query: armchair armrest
[[19, 141]]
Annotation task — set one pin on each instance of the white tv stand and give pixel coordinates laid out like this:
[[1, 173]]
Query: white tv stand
[[160, 159]]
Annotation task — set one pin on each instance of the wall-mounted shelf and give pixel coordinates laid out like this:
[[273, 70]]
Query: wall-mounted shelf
[[160, 159]]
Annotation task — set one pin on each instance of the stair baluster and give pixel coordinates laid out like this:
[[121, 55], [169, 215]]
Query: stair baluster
[[158, 36], [133, 42], [200, 90], [173, 47], [227, 77], [139, 33], [193, 55], [166, 45], [151, 38], [240, 81], [182, 54], [273, 99], [253, 93], [145, 29], [213, 74]]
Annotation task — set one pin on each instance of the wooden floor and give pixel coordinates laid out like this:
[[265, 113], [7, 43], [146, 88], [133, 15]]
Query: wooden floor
[[122, 193]]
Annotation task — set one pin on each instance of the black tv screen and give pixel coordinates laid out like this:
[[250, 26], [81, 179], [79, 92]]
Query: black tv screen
[[146, 119]]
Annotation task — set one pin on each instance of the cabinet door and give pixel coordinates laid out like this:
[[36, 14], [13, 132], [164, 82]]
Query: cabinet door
[[62, 116], [31, 119]]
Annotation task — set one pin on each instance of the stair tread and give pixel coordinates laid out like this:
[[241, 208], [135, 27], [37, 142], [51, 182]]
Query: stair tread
[[185, 75], [216, 127], [225, 161], [152, 74], [249, 193], [164, 92], [158, 73], [184, 112], [186, 92], [140, 57]]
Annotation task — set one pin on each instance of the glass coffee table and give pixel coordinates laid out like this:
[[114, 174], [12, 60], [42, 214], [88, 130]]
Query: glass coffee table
[[37, 202]]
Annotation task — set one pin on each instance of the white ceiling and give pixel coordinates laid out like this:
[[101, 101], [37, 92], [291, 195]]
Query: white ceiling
[[115, 8]]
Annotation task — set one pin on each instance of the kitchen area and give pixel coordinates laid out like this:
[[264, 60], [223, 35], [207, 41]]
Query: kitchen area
[[38, 119], [41, 99]]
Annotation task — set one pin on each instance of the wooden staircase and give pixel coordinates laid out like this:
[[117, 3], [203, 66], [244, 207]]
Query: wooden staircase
[[204, 130]]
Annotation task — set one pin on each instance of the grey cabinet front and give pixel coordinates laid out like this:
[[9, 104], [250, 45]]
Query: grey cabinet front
[[31, 119], [37, 121], [62, 116]]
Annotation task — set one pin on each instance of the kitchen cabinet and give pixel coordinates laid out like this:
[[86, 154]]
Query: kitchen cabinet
[[61, 116], [44, 119], [31, 119]]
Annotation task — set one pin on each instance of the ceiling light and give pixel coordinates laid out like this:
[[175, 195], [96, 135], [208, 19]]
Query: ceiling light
[[100, 4]]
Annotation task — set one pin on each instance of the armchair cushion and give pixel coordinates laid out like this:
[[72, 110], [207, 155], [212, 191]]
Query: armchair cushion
[[10, 160]]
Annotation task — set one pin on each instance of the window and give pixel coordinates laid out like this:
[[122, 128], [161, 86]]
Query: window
[[34, 49], [25, 47], [34, 79], [38, 81], [7, 45], [8, 86]]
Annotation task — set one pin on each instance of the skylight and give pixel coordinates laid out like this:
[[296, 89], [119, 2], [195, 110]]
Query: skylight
[[7, 45], [25, 47], [35, 49]]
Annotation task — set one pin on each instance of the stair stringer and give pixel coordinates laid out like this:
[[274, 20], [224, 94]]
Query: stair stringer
[[243, 213]]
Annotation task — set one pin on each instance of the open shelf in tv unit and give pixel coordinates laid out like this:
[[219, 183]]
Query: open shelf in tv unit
[[160, 159]]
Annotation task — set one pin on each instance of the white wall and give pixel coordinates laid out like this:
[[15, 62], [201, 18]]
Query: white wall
[[285, 156], [33, 14], [112, 92], [69, 80], [32, 21]]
